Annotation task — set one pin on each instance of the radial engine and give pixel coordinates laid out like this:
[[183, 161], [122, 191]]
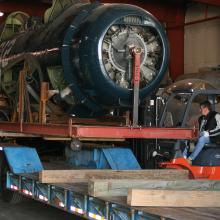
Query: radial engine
[[84, 53]]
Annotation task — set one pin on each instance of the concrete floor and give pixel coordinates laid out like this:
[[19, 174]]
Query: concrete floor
[[32, 210]]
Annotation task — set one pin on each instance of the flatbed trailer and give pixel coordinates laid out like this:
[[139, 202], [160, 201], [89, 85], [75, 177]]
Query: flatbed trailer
[[73, 198]]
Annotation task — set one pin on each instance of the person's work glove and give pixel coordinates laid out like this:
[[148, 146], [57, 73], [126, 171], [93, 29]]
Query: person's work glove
[[205, 134]]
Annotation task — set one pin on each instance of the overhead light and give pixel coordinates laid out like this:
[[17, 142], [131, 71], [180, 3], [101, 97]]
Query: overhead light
[[1, 14]]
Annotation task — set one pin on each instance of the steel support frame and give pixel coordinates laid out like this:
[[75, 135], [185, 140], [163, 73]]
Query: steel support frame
[[75, 203], [98, 132]]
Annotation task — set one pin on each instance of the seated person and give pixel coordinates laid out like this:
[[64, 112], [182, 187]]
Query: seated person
[[209, 128]]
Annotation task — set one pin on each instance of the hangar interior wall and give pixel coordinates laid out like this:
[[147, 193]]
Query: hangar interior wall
[[202, 47]]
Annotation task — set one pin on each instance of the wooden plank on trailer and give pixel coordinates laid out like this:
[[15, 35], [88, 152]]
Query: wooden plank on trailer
[[70, 176], [119, 187], [183, 213], [173, 198]]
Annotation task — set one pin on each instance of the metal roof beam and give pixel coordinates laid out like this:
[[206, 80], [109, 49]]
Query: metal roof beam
[[210, 2]]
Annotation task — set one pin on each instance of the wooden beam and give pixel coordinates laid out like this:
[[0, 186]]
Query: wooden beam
[[173, 198], [117, 187], [70, 176]]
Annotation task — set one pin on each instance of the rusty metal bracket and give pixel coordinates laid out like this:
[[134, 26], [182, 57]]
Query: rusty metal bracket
[[23, 104], [45, 95]]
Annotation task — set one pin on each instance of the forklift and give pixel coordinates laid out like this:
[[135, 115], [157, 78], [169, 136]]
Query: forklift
[[181, 110]]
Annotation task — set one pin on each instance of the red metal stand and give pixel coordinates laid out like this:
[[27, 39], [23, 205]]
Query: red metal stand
[[136, 54], [102, 132]]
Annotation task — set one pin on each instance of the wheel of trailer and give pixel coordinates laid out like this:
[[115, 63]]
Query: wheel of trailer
[[7, 195]]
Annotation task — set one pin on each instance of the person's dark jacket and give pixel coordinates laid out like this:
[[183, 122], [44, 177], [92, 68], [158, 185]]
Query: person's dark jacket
[[211, 123]]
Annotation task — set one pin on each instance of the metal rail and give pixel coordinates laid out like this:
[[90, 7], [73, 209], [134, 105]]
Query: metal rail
[[98, 132]]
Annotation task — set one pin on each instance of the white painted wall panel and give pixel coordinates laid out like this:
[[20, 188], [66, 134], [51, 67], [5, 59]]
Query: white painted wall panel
[[202, 40]]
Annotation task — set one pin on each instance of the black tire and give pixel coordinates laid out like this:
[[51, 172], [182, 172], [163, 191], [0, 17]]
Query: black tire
[[7, 195]]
